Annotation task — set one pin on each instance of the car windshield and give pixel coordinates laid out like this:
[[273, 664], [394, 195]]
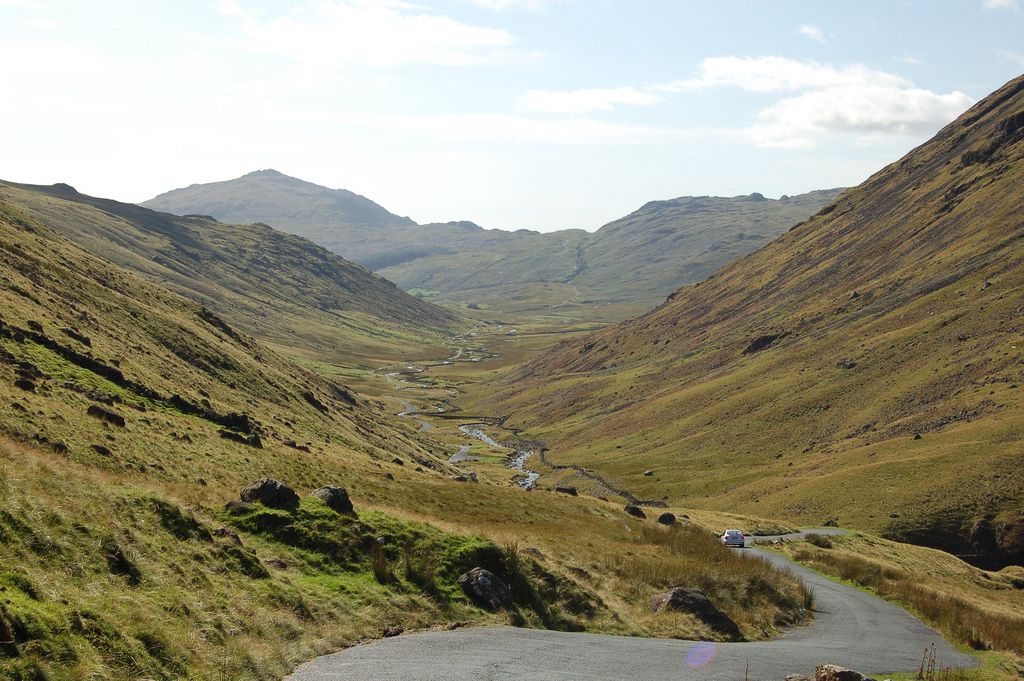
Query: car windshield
[[733, 533]]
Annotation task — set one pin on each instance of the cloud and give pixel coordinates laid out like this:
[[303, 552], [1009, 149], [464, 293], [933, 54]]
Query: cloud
[[501, 5], [827, 99], [812, 32], [1011, 56], [1001, 4], [326, 35], [865, 110], [565, 131], [772, 74], [585, 101], [23, 4]]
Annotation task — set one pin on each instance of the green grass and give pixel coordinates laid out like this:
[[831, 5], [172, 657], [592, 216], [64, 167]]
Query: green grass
[[919, 297]]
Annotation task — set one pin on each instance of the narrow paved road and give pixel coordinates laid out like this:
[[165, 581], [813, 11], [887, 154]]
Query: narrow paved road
[[851, 628]]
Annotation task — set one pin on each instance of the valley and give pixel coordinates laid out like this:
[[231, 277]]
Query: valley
[[262, 428]]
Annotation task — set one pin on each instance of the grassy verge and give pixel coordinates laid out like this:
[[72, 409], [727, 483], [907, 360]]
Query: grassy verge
[[104, 578], [973, 607]]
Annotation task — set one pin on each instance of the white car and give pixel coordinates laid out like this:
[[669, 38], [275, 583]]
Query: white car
[[734, 538]]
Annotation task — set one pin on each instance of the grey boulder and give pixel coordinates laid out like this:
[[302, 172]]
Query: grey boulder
[[485, 589]]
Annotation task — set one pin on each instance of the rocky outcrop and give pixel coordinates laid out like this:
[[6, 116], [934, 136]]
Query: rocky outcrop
[[102, 414], [667, 519], [270, 492], [571, 491], [336, 498], [635, 511], [485, 589], [833, 672], [694, 602]]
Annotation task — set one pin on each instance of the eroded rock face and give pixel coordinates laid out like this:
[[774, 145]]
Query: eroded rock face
[[693, 601], [485, 589], [336, 498], [270, 492]]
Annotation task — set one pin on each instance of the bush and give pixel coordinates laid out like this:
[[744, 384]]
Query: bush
[[819, 540]]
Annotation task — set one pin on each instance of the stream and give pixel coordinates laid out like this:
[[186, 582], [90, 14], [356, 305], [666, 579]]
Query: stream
[[516, 462], [517, 458]]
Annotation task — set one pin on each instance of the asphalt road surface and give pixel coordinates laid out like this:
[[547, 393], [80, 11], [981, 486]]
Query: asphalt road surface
[[851, 628]]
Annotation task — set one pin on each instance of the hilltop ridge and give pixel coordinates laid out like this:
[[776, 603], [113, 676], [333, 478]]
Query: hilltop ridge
[[621, 269]]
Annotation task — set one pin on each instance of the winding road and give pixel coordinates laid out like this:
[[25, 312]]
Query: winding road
[[851, 628]]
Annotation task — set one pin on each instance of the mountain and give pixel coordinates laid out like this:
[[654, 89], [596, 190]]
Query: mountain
[[866, 365], [276, 286], [133, 419], [630, 264], [327, 216]]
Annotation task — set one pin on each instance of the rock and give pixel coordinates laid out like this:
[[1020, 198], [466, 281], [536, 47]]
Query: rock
[[762, 342], [102, 414], [579, 572], [534, 552], [485, 589], [228, 534], [238, 507], [833, 672], [25, 384], [831, 522], [270, 492], [635, 511], [276, 563], [101, 450], [917, 436], [390, 632], [336, 498], [80, 337], [397, 461], [693, 601], [252, 440], [571, 491], [389, 475], [649, 473], [667, 519], [797, 677], [846, 364]]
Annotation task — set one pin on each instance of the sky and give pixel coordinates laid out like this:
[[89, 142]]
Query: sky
[[540, 114]]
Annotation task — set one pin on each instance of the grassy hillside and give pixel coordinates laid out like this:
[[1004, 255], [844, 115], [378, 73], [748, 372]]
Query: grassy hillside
[[278, 287], [866, 365], [132, 415], [624, 268]]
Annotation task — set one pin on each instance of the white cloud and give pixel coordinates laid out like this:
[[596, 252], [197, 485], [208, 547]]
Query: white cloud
[[771, 74], [812, 32], [23, 4], [1011, 56], [847, 99], [325, 35], [566, 131], [859, 109], [1001, 4], [585, 101], [501, 5]]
